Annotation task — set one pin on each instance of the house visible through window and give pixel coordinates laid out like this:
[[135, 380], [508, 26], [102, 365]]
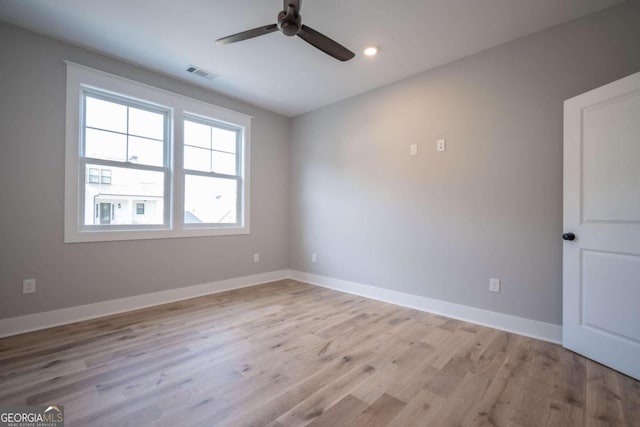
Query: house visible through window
[[142, 174]]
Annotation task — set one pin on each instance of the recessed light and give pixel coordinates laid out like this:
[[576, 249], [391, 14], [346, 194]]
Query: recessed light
[[371, 50]]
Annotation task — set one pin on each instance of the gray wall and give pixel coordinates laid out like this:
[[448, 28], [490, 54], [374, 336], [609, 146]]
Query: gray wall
[[441, 224], [32, 130]]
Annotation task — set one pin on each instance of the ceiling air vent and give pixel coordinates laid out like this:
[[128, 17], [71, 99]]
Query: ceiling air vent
[[201, 72]]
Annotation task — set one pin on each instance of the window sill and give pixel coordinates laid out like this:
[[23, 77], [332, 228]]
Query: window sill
[[109, 236]]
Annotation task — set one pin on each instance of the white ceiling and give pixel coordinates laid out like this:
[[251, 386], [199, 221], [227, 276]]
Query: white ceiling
[[285, 74]]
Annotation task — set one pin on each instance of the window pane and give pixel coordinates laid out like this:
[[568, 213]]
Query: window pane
[[93, 175], [210, 200], [116, 204], [105, 115], [105, 145], [197, 134], [223, 162], [146, 123], [223, 139], [106, 176], [146, 151], [197, 159]]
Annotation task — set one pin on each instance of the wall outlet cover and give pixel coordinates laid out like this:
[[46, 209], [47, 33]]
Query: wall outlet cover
[[29, 286]]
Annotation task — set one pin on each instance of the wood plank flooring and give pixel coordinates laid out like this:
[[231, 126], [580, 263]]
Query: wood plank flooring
[[292, 354]]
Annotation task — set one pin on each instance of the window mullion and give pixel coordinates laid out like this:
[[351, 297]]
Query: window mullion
[[210, 148], [127, 165], [211, 174], [127, 158]]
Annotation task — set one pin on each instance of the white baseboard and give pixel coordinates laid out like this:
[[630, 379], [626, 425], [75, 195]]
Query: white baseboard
[[505, 322], [48, 319]]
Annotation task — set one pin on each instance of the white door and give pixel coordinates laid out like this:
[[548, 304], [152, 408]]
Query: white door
[[601, 279]]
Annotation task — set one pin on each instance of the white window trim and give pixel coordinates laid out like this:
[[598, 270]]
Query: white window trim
[[79, 76]]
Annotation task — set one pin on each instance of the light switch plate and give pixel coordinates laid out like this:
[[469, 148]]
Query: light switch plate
[[494, 285], [413, 150]]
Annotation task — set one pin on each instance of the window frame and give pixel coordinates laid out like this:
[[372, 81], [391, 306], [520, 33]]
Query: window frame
[[238, 177], [81, 78], [96, 175], [139, 208], [111, 164], [104, 175]]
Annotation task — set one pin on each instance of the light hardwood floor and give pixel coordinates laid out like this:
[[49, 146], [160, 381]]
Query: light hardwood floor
[[287, 353]]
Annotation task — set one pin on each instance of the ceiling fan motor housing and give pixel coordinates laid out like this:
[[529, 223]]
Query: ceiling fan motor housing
[[289, 22]]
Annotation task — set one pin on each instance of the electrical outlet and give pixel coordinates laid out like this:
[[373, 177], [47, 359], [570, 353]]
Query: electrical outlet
[[256, 257], [413, 150], [494, 285], [314, 258], [29, 286], [441, 145]]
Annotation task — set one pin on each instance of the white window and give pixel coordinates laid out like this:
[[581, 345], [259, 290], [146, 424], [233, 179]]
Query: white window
[[93, 175], [132, 139], [213, 179], [144, 163], [105, 176]]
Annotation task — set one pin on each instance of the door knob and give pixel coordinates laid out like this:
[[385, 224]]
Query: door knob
[[568, 236]]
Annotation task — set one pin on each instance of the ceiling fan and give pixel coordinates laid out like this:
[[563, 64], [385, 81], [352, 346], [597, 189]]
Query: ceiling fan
[[290, 23]]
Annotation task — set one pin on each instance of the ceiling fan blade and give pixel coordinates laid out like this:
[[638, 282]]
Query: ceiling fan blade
[[249, 34], [325, 44]]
